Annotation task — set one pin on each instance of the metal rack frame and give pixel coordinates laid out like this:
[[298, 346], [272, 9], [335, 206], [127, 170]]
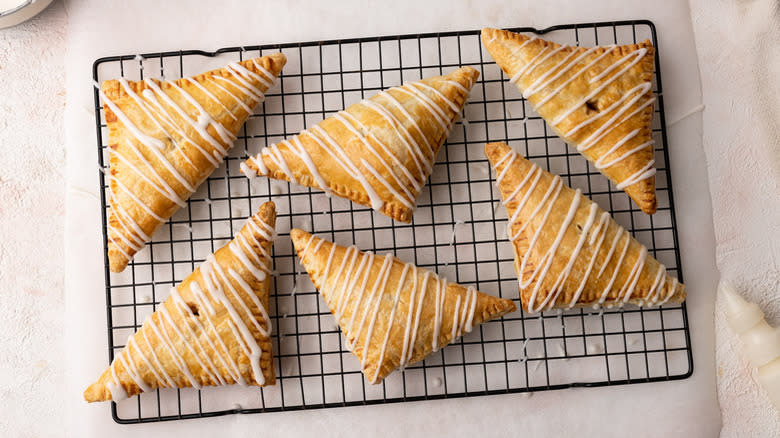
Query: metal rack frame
[[447, 181]]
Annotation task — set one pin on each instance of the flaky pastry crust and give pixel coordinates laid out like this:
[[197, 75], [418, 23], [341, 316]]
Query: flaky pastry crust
[[597, 99], [212, 330], [391, 313], [166, 138], [570, 253], [378, 152]]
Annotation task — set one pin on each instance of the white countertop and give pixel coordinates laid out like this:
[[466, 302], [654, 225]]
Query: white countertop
[[43, 373]]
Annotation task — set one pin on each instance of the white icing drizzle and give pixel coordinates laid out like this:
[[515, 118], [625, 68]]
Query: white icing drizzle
[[574, 76], [427, 103], [516, 50], [601, 230], [390, 321], [131, 343], [385, 183], [363, 135], [342, 300], [133, 236], [135, 198], [367, 262], [557, 287], [132, 371], [259, 273], [398, 172], [166, 317], [420, 161], [237, 99], [438, 318], [222, 276], [118, 392], [637, 54], [658, 285], [671, 292], [162, 336], [249, 74], [410, 338], [594, 231], [338, 153], [264, 71], [168, 166], [265, 230], [127, 223], [342, 288], [241, 85], [376, 294], [199, 128], [455, 318], [148, 111], [407, 116], [211, 95], [633, 277], [203, 301], [211, 271], [165, 117], [258, 162], [204, 118], [146, 140], [202, 347], [610, 125], [502, 174], [642, 174], [295, 146], [453, 106], [621, 106], [594, 93], [168, 380], [131, 244], [181, 306], [535, 62], [246, 170], [459, 86], [540, 83], [276, 156], [160, 185]]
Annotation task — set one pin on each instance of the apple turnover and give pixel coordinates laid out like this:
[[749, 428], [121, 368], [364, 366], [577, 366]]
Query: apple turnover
[[378, 152], [568, 251], [213, 329], [598, 99], [391, 313], [166, 137]]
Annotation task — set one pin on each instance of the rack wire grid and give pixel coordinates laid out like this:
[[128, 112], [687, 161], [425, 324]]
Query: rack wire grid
[[458, 230]]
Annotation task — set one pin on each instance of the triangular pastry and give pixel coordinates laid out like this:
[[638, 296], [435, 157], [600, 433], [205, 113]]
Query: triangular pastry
[[598, 99], [166, 138], [213, 329], [391, 313], [378, 152], [568, 251]]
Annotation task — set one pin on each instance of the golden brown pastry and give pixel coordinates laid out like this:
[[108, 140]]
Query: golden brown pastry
[[600, 100], [166, 138], [391, 313], [568, 251], [213, 329], [378, 152]]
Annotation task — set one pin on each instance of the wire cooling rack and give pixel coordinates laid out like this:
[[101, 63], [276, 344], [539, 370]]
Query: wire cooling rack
[[458, 230]]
